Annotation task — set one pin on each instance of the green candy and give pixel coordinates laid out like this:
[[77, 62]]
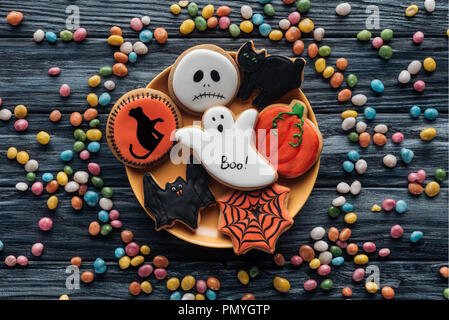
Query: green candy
[[385, 52], [353, 136], [254, 272], [386, 34], [107, 192], [31, 176], [324, 51], [94, 123], [106, 71], [303, 6], [364, 35], [336, 251], [446, 293], [78, 146], [97, 182], [192, 8], [200, 23], [106, 229], [234, 30], [68, 170], [440, 174], [351, 80], [66, 35], [269, 10], [79, 135], [327, 284], [333, 211]]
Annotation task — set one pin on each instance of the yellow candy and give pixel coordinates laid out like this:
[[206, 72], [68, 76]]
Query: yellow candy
[[64, 297], [62, 178], [376, 208], [243, 277], [187, 283], [124, 262], [328, 72], [411, 11], [208, 11], [94, 134], [314, 264], [371, 287], [52, 202], [11, 153], [94, 81], [320, 65], [175, 8], [349, 113], [281, 284], [20, 111], [447, 32], [92, 99], [432, 189], [137, 261], [350, 218], [146, 287], [187, 26], [361, 259], [145, 250], [43, 137], [428, 134], [247, 27], [200, 296], [115, 40], [429, 64], [172, 284], [275, 35], [183, 3], [306, 25], [22, 157]]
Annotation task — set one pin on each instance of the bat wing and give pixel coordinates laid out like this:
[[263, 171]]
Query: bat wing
[[198, 182], [152, 200]]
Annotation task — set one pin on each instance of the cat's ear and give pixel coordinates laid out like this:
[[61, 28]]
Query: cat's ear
[[247, 46]]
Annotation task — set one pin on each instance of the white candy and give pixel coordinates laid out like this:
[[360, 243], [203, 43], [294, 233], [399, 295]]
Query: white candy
[[318, 34], [106, 204], [404, 76], [82, 177], [429, 5], [71, 186], [343, 187], [146, 20], [109, 85], [343, 9], [325, 257], [390, 161], [361, 166], [5, 114], [126, 47], [381, 128], [22, 186], [361, 127], [348, 123], [320, 246], [247, 12], [339, 201], [317, 233], [188, 296], [39, 35], [359, 100], [414, 67], [356, 187], [284, 24], [140, 48], [31, 166]]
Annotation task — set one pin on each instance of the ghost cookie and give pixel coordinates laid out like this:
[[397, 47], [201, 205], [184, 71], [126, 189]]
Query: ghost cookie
[[226, 150], [140, 126], [202, 77]]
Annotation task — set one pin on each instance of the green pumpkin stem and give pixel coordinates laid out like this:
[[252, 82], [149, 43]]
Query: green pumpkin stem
[[297, 110]]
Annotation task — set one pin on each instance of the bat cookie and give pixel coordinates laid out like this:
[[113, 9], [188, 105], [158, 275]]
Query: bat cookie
[[202, 77], [140, 126], [226, 150], [181, 199]]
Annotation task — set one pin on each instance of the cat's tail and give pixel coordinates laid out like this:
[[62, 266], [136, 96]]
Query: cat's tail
[[299, 65], [136, 156]]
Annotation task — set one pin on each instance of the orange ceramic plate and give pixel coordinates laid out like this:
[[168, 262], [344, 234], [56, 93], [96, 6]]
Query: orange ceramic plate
[[207, 234]]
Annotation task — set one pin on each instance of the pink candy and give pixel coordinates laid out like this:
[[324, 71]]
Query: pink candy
[[160, 273], [294, 17], [64, 90], [45, 224], [384, 252], [21, 125], [358, 274], [419, 176], [341, 244], [10, 261], [396, 231], [324, 270], [369, 247], [388, 204], [37, 188], [377, 42], [419, 86], [116, 224], [84, 155], [79, 34], [114, 215], [94, 168], [310, 285], [397, 137], [22, 261], [145, 270], [136, 24], [37, 249], [54, 71], [201, 286], [132, 249], [224, 23], [418, 37], [296, 261]]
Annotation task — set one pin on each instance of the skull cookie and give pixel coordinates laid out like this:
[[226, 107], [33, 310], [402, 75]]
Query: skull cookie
[[202, 77]]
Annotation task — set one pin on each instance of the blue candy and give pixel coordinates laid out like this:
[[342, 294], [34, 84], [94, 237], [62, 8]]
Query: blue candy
[[103, 216], [338, 261], [264, 1], [91, 198], [264, 29], [66, 155], [377, 86], [104, 99], [100, 266], [407, 155], [415, 111], [51, 36], [348, 166], [347, 207], [119, 252], [1, 245], [400, 206], [258, 19], [370, 113], [94, 146], [175, 296], [431, 114], [132, 57], [47, 177], [145, 36], [416, 236], [353, 155], [211, 295]]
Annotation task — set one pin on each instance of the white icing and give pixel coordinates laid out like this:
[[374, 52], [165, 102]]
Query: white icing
[[206, 89], [225, 148]]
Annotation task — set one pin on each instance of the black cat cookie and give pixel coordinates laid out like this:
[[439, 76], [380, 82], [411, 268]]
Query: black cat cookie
[[140, 126], [273, 75], [180, 200]]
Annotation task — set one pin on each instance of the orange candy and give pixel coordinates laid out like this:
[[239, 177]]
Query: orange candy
[[444, 271], [52, 186], [346, 291], [336, 80], [14, 18], [77, 203], [87, 277], [120, 57], [94, 228], [90, 114], [341, 64], [119, 69], [248, 296], [223, 11], [312, 50], [292, 34], [364, 139], [379, 139], [345, 234], [352, 249], [160, 35], [212, 22], [333, 234], [76, 261], [55, 116], [415, 188], [344, 95], [213, 283], [387, 292], [127, 236], [298, 47], [76, 119], [134, 288], [306, 253], [115, 31]]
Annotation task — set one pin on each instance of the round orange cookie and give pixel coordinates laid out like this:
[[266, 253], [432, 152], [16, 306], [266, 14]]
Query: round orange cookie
[[140, 126]]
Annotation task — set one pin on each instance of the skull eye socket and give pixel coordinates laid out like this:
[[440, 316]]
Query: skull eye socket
[[215, 75], [198, 76]]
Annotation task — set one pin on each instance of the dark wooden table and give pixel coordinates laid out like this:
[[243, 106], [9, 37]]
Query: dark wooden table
[[412, 269]]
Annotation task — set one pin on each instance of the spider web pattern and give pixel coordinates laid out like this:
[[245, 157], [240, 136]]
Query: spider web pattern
[[255, 219]]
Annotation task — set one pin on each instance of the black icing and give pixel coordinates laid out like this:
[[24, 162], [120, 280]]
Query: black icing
[[198, 76], [215, 75]]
